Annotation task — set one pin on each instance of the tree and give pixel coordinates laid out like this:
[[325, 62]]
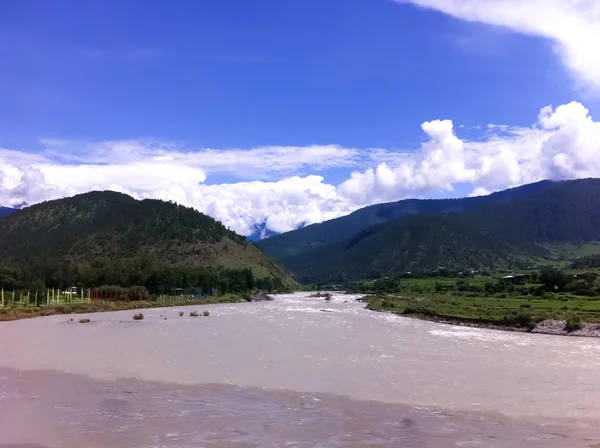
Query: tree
[[554, 279]]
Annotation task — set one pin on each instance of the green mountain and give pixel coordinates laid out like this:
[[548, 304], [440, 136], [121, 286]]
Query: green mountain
[[500, 234], [417, 243], [310, 237], [110, 238]]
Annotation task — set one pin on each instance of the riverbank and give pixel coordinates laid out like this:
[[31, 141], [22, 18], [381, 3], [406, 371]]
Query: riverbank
[[17, 313], [522, 315]]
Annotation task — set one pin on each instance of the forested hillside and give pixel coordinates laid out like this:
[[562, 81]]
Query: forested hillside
[[307, 238], [110, 238], [502, 234], [416, 243]]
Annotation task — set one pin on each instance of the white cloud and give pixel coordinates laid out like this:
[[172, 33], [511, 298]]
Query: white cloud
[[255, 163], [564, 143], [438, 165], [479, 191], [573, 25]]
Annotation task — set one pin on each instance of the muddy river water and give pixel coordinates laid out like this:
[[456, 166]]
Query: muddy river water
[[294, 372]]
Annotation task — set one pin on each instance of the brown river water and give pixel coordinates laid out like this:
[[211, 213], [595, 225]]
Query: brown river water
[[295, 372]]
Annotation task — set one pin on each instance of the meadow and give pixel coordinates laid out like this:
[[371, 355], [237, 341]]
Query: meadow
[[489, 299]]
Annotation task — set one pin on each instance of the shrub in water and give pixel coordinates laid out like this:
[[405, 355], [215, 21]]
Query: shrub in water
[[138, 316], [180, 313], [206, 314], [193, 314], [84, 321]]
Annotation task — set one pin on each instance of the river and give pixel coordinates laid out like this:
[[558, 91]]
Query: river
[[294, 372]]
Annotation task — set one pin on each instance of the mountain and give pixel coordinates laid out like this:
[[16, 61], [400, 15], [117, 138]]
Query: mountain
[[282, 246], [419, 242], [501, 233], [99, 231], [5, 211]]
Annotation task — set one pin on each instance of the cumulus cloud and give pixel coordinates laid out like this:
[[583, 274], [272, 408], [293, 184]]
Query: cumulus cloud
[[573, 25], [438, 165], [563, 143]]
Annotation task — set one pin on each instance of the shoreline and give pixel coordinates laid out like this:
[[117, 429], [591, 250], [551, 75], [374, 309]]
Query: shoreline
[[550, 327], [19, 313]]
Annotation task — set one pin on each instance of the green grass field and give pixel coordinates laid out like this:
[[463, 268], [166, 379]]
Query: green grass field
[[487, 299], [510, 310]]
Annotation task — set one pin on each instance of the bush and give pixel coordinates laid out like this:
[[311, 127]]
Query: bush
[[524, 319], [538, 292], [138, 316], [584, 292], [193, 314], [206, 314], [84, 321], [419, 311], [180, 313], [573, 323]]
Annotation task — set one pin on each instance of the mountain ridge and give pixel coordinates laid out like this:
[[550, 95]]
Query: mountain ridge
[[508, 233], [306, 238], [103, 230]]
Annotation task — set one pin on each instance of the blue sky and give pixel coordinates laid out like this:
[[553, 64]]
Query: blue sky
[[236, 95]]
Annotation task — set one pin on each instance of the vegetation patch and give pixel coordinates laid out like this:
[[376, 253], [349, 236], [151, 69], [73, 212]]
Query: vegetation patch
[[194, 314], [493, 301], [84, 321], [573, 323], [206, 314], [138, 316]]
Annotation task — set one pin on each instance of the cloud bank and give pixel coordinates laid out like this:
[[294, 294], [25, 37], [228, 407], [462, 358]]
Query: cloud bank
[[563, 143], [573, 25]]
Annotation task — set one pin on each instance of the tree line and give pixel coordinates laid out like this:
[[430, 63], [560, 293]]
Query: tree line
[[156, 278]]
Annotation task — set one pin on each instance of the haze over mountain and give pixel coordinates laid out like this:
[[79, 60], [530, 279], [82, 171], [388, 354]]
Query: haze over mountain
[[5, 211], [513, 228]]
